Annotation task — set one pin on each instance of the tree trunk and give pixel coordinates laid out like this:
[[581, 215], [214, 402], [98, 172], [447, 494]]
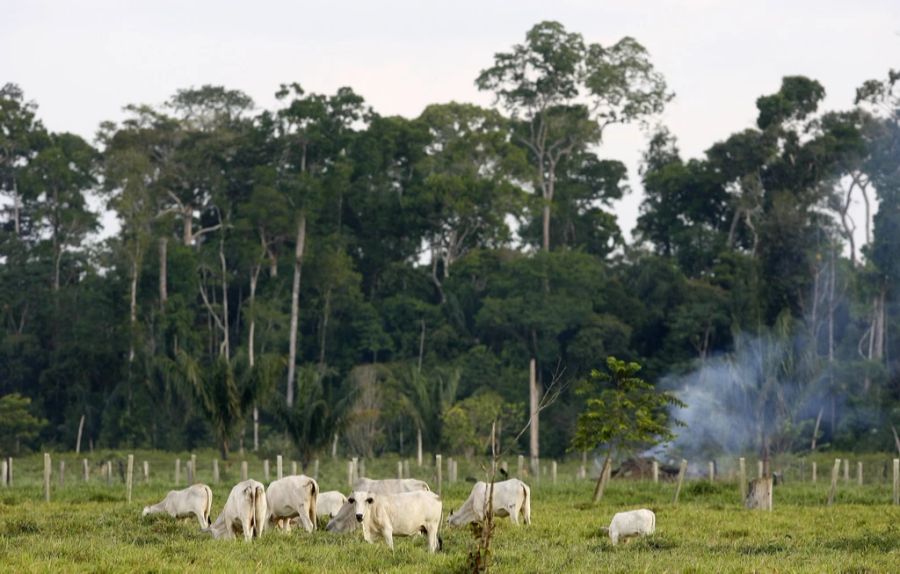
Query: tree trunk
[[421, 344], [187, 225], [546, 227], [295, 308], [760, 494], [17, 208], [251, 351], [535, 397], [132, 316], [163, 267], [78, 440], [601, 480], [226, 346]]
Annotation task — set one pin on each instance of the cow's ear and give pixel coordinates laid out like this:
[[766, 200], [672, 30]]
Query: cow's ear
[[370, 500]]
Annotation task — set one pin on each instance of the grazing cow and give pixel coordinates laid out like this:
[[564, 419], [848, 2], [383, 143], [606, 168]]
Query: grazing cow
[[390, 485], [345, 521], [195, 499], [510, 497], [404, 514], [631, 524], [292, 497], [244, 513], [329, 503]]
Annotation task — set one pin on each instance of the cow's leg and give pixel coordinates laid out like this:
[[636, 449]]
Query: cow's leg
[[388, 535], [514, 515], [431, 531], [304, 522], [202, 520], [247, 527]]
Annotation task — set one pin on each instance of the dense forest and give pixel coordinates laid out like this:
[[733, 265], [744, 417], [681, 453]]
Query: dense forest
[[320, 276]]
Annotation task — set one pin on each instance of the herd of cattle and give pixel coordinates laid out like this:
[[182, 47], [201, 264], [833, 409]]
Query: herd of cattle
[[381, 508]]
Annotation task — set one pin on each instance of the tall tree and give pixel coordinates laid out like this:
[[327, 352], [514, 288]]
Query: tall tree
[[564, 93]]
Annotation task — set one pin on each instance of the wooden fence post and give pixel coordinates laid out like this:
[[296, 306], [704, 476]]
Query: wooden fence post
[[9, 471], [316, 469], [742, 477], [3, 473], [654, 471], [109, 473], [361, 468], [859, 473], [846, 470], [814, 477], [681, 471], [354, 470], [439, 467], [294, 468], [834, 479], [178, 471], [399, 469], [896, 480], [129, 477], [266, 470], [521, 467], [215, 471], [406, 468], [146, 466], [47, 471], [62, 473], [244, 470], [279, 470], [85, 469], [712, 471], [553, 471], [192, 475], [350, 473]]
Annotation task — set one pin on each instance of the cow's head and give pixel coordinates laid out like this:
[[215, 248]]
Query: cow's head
[[361, 502], [146, 511]]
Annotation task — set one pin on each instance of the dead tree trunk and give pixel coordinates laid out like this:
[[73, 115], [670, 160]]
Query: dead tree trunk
[[295, 307], [759, 495]]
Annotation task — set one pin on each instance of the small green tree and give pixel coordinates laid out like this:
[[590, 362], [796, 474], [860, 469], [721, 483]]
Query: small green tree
[[629, 413], [17, 424]]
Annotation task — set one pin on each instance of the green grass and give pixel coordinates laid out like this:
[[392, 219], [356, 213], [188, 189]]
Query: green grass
[[89, 527]]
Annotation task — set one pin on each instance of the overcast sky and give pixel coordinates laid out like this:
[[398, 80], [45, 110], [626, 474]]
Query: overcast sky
[[81, 61]]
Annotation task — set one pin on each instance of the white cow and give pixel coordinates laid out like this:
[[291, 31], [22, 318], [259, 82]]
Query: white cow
[[195, 499], [390, 485], [631, 524], [244, 513], [290, 497], [329, 504], [404, 514], [345, 521], [510, 497]]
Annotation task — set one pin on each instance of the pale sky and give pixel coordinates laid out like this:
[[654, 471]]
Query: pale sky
[[83, 60]]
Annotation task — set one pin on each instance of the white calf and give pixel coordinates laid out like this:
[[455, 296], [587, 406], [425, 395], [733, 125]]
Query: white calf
[[404, 514], [631, 524], [244, 513], [293, 496], [195, 499], [510, 497]]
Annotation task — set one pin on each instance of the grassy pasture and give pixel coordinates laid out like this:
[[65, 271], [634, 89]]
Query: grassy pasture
[[89, 527]]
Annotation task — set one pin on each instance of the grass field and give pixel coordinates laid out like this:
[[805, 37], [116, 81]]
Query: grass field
[[90, 527]]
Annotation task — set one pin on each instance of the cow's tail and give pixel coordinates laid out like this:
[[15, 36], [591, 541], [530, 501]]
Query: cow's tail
[[313, 495], [526, 504], [260, 510], [207, 509], [653, 522]]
